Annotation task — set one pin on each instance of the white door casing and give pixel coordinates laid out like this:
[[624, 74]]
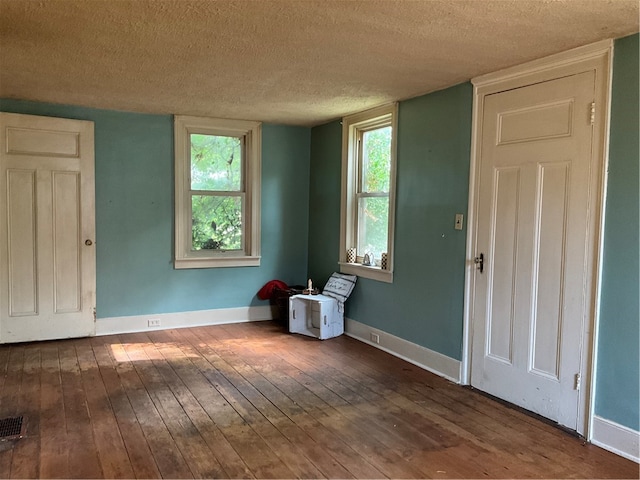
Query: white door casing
[[520, 206], [47, 228]]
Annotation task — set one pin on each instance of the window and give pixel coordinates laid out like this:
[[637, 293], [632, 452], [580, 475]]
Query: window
[[368, 193], [217, 204]]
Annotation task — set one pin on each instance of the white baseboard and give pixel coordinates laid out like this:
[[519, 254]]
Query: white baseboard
[[616, 438], [420, 356], [199, 318]]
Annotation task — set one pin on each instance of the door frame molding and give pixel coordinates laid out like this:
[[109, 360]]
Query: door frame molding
[[598, 57]]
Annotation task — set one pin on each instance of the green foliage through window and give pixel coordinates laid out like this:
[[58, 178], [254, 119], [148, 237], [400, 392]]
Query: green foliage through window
[[373, 194], [217, 192], [376, 160]]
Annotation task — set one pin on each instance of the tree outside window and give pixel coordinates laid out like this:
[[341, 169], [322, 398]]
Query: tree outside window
[[373, 194], [217, 194]]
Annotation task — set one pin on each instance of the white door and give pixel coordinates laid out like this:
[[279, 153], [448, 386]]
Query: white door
[[47, 228], [531, 299]]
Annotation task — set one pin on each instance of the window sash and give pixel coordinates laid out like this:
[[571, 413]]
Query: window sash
[[240, 193], [243, 163], [243, 227], [366, 228], [371, 194], [360, 193], [360, 132]]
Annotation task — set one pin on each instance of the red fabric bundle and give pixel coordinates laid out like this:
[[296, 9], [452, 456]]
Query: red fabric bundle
[[267, 290]]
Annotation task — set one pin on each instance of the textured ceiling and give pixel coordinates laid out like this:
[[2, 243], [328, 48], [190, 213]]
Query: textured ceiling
[[299, 62]]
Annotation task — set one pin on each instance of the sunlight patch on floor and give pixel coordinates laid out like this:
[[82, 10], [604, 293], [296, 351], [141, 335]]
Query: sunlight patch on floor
[[136, 352]]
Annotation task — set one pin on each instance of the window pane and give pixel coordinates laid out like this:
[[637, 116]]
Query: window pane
[[216, 163], [216, 222], [373, 225], [376, 160]]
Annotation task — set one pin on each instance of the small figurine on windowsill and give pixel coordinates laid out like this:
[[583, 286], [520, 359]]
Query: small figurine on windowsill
[[310, 290]]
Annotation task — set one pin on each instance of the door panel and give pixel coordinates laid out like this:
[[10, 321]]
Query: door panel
[[40, 141], [533, 210], [66, 241], [548, 274], [504, 212], [539, 122], [22, 249], [47, 284]]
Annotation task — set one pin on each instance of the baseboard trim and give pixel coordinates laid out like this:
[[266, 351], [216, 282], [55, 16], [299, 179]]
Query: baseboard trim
[[616, 438], [199, 318], [418, 355]]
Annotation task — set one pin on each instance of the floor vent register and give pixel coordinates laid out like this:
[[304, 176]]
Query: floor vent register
[[11, 428]]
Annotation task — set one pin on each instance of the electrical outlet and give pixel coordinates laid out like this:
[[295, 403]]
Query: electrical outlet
[[375, 338], [153, 322]]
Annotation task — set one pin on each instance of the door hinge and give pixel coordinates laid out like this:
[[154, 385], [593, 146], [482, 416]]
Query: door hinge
[[577, 381], [94, 314], [592, 113]]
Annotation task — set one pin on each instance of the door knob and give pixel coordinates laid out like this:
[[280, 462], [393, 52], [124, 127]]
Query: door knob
[[479, 261], [88, 242]]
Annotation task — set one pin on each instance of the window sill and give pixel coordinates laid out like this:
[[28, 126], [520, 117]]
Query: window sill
[[372, 273], [181, 263]]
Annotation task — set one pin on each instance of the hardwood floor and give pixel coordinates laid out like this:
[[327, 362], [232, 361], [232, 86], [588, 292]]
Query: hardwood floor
[[248, 400]]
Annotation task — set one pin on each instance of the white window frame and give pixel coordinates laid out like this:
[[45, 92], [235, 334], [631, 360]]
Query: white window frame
[[249, 256], [386, 115]]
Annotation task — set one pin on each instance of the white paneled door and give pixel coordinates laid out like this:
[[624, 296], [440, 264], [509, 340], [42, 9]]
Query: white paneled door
[[530, 298], [47, 228]]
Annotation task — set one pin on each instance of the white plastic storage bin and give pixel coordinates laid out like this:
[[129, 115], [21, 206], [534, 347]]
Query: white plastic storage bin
[[316, 316]]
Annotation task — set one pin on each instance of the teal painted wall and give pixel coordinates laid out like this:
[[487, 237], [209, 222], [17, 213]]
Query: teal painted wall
[[425, 301], [618, 390], [134, 216], [324, 201]]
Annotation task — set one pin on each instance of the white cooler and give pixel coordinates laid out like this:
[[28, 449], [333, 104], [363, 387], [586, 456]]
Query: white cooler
[[315, 315]]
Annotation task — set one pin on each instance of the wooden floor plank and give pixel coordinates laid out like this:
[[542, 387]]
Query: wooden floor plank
[[264, 461], [83, 454], [376, 434], [12, 373], [384, 374], [500, 434], [194, 392], [54, 445], [383, 392], [388, 462], [296, 449], [138, 451], [251, 401], [27, 449], [500, 437], [6, 455], [110, 446], [12, 382], [154, 372], [166, 453], [5, 354], [329, 442]]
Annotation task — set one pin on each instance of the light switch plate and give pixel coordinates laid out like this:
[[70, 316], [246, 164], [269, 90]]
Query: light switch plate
[[459, 221]]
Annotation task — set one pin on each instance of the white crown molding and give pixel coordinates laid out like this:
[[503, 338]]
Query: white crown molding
[[521, 74]]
